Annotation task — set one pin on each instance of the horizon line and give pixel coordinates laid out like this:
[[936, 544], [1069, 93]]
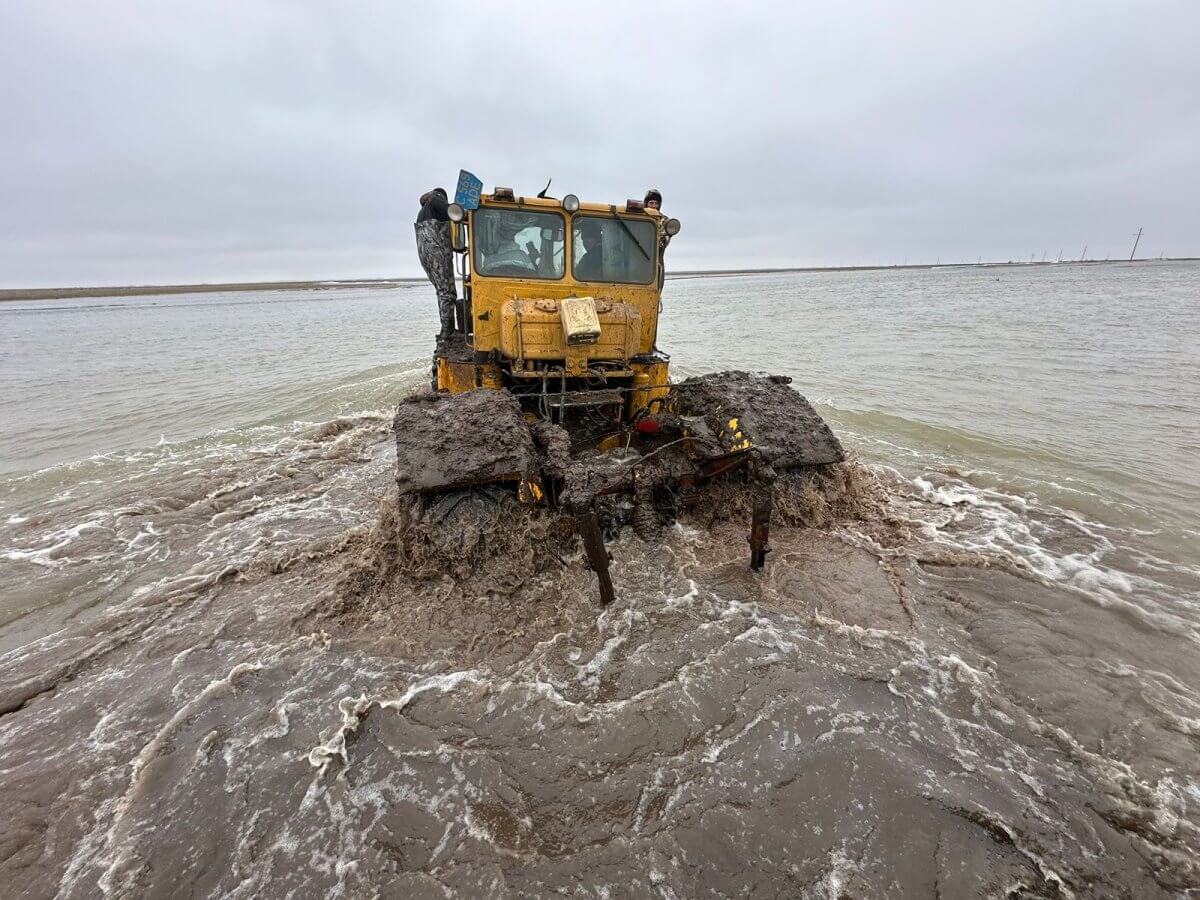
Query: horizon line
[[64, 293]]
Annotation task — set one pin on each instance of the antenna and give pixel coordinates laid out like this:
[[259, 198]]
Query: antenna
[[542, 192], [1137, 237]]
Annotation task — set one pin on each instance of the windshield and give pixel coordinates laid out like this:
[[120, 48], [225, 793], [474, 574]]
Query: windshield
[[612, 249], [518, 243]]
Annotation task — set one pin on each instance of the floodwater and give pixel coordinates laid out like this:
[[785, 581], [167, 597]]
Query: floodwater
[[223, 676]]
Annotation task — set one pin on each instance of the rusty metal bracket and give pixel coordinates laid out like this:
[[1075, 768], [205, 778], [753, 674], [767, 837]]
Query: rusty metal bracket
[[763, 502], [593, 546]]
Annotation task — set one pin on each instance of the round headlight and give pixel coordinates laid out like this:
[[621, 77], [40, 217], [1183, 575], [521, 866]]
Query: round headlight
[[571, 203], [672, 227], [455, 212]]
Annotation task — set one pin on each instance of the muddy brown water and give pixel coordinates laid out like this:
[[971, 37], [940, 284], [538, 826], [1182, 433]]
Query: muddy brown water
[[236, 668]]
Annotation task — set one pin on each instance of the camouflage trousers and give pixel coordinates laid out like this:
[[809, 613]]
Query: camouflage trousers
[[437, 259]]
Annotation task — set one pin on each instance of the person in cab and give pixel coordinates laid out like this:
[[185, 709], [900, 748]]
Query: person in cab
[[505, 255], [590, 266]]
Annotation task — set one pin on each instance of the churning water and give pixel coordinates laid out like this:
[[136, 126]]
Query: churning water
[[988, 684]]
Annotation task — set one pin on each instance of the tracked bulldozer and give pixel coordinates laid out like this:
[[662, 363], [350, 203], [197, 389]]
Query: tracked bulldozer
[[554, 386]]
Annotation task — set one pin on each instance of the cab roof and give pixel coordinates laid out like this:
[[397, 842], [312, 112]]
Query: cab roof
[[554, 203]]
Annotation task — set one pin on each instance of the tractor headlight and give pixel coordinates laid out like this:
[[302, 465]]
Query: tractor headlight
[[455, 212], [672, 227], [571, 203]]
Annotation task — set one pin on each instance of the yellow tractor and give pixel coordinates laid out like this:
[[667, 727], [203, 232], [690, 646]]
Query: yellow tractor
[[554, 382]]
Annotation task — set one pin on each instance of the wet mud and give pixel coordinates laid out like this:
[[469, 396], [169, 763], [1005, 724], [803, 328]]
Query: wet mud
[[445, 441], [423, 699], [762, 409]]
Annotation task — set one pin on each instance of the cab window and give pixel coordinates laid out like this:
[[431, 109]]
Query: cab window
[[517, 243], [607, 248]]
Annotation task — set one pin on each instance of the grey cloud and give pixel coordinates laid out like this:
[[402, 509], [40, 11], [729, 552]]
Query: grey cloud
[[150, 142]]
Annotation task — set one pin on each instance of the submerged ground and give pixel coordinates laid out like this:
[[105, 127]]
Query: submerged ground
[[876, 713], [227, 676]]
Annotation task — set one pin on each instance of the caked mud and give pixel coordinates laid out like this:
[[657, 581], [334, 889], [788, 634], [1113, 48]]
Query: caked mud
[[316, 686]]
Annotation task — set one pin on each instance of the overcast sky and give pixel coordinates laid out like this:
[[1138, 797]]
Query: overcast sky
[[154, 142]]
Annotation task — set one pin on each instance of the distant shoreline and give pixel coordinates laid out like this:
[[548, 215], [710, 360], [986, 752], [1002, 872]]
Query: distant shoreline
[[702, 273], [140, 290], [71, 293]]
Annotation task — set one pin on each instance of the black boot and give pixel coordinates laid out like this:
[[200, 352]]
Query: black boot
[[447, 331]]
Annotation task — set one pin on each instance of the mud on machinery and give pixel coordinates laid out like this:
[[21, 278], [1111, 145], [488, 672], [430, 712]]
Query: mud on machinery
[[554, 384]]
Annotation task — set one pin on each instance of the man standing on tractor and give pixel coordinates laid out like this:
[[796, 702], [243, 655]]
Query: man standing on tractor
[[654, 201], [436, 255]]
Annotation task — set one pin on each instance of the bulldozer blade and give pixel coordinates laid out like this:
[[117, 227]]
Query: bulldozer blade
[[451, 441], [742, 411]]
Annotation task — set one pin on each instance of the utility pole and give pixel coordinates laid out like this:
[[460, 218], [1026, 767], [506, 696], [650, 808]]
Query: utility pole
[[1083, 255], [1060, 254], [1137, 237]]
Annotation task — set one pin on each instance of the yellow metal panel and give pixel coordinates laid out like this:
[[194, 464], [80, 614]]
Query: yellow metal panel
[[490, 296], [531, 329], [489, 376], [456, 377], [651, 383], [576, 361]]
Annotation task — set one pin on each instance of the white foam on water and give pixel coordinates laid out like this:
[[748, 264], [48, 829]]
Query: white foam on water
[[1016, 528], [714, 751], [50, 555], [840, 869], [352, 710]]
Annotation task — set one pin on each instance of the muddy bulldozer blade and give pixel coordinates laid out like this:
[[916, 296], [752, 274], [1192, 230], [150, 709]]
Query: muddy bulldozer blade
[[759, 422], [743, 411], [451, 441], [447, 443], [708, 428]]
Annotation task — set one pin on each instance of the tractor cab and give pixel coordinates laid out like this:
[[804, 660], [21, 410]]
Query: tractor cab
[[560, 306]]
